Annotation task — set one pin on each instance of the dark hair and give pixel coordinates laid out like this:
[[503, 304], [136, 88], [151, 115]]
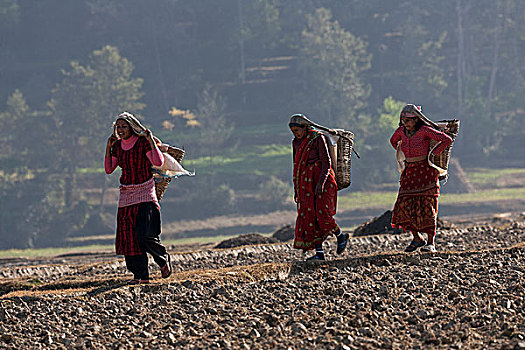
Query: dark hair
[[415, 110], [419, 123], [291, 125]]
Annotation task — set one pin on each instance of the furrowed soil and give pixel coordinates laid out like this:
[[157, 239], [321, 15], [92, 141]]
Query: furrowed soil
[[468, 295]]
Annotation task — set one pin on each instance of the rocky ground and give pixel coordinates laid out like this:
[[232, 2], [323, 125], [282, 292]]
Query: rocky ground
[[469, 295]]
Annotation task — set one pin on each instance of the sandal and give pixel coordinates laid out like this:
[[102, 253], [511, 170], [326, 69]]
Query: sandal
[[166, 269], [431, 248], [136, 281], [316, 257], [342, 240], [414, 245]]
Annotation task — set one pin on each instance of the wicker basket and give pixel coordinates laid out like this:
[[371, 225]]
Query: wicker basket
[[440, 161], [340, 148], [162, 182], [345, 144]]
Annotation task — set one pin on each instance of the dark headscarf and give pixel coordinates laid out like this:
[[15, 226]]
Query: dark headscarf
[[299, 120], [416, 110]]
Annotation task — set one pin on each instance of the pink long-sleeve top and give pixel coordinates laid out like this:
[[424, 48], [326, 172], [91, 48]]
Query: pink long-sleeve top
[[155, 155], [418, 144]]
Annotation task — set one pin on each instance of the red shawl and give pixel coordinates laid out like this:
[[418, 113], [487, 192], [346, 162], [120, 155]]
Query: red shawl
[[314, 212]]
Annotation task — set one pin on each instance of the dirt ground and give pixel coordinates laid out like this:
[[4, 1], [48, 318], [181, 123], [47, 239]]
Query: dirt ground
[[469, 295]]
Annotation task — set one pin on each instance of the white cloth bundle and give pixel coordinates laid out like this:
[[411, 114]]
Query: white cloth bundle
[[171, 168]]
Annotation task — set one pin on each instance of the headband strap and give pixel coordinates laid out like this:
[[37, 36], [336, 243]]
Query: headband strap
[[291, 125]]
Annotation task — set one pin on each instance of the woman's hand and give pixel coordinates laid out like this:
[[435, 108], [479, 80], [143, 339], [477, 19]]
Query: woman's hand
[[151, 139], [111, 141], [149, 135]]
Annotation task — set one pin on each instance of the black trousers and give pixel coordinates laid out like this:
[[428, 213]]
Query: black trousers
[[148, 235]]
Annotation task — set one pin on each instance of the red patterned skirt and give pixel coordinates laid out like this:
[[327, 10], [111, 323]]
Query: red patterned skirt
[[315, 213], [416, 206], [126, 242]]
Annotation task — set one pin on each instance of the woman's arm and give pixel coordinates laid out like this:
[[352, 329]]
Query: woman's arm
[[155, 155], [110, 162], [326, 163], [293, 161], [444, 139], [396, 137]]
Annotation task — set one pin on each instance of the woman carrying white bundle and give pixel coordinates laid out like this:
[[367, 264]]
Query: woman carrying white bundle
[[134, 149]]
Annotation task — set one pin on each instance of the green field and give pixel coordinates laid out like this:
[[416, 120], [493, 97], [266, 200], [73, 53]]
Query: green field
[[351, 201], [252, 160], [484, 176], [38, 252], [364, 200], [274, 159]]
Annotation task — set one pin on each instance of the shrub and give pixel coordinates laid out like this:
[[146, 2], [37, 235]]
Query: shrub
[[275, 192]]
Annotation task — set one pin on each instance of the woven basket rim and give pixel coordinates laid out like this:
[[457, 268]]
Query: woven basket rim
[[162, 186]]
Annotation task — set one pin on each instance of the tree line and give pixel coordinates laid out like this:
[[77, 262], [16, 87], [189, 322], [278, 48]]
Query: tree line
[[69, 67]]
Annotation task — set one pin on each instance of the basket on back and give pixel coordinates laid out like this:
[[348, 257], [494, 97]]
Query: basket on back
[[440, 161], [162, 181], [340, 147], [342, 143]]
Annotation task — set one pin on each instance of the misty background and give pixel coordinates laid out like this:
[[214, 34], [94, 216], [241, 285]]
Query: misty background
[[220, 78]]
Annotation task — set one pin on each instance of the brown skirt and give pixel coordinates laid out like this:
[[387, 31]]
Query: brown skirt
[[416, 206]]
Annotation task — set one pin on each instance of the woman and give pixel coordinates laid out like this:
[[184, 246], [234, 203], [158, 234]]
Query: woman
[[315, 190], [138, 216], [417, 202]]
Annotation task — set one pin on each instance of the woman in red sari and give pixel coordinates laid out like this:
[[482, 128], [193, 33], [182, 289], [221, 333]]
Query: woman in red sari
[[315, 190], [138, 216], [417, 202]]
